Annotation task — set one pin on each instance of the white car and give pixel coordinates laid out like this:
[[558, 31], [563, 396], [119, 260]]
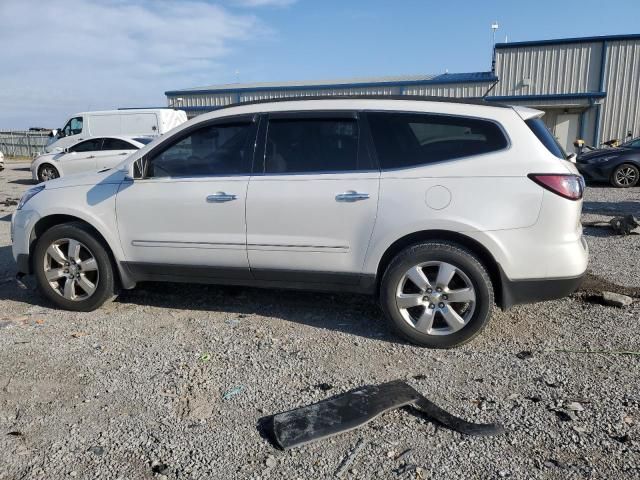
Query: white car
[[89, 155], [1, 161], [440, 208]]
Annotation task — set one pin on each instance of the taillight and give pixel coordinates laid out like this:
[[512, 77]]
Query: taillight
[[567, 186]]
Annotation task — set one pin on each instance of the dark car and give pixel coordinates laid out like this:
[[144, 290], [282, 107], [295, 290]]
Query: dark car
[[618, 166]]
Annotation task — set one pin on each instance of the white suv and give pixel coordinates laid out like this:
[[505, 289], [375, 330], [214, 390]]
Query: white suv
[[440, 208]]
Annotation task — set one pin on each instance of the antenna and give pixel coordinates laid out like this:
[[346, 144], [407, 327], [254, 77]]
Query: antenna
[[494, 27]]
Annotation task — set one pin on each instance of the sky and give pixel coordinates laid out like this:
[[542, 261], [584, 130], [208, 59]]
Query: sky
[[58, 58]]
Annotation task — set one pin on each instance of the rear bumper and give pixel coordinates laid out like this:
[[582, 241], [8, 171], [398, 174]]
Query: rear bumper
[[515, 292]]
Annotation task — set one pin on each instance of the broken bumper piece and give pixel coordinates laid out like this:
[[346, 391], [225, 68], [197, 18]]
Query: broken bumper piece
[[357, 407]]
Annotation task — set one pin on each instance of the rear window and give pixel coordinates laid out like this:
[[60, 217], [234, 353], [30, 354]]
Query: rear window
[[143, 140], [547, 138], [409, 139]]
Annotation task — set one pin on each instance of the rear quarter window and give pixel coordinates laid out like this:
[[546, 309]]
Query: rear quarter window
[[411, 139], [547, 138]]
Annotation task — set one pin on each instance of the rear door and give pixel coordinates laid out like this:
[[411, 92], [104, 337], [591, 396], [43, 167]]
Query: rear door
[[82, 156], [312, 201], [114, 151]]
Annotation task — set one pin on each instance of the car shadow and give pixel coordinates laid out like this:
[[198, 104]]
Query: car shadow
[[356, 315], [352, 314], [22, 169], [10, 289], [612, 208], [24, 181]]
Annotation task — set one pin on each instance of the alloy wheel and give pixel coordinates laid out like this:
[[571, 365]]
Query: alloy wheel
[[436, 298], [627, 176], [71, 269], [48, 173]]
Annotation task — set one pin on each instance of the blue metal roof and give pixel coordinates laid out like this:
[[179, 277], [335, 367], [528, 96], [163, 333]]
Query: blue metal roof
[[548, 96], [560, 41], [397, 81]]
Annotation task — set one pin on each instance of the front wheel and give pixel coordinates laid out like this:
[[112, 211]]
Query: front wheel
[[437, 294], [73, 268], [47, 172], [625, 175]]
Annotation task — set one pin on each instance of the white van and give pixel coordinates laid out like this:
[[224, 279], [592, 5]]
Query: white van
[[133, 122]]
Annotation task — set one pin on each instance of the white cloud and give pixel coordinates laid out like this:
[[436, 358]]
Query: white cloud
[[91, 54]]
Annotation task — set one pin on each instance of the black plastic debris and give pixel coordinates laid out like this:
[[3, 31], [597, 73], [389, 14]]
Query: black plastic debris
[[355, 408], [623, 225], [523, 355]]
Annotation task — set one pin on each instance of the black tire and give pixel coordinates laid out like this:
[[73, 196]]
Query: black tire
[[46, 172], [105, 282], [625, 175], [460, 258]]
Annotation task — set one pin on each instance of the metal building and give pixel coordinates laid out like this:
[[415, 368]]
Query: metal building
[[204, 99], [589, 87]]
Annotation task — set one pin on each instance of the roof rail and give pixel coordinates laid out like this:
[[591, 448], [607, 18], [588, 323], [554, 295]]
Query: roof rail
[[469, 101]]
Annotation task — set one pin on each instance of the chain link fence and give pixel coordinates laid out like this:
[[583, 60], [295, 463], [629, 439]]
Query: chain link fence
[[23, 143]]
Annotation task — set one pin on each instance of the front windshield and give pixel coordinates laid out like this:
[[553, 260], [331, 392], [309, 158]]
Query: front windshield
[[635, 143]]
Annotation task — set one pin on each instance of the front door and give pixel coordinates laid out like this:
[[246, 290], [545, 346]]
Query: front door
[[186, 217], [114, 151], [312, 205], [82, 157]]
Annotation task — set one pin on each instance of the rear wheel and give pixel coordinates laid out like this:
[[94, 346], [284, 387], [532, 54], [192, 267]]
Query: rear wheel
[[47, 172], [625, 175], [73, 268], [437, 294]]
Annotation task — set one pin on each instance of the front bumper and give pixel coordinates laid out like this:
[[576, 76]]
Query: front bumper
[[22, 223]]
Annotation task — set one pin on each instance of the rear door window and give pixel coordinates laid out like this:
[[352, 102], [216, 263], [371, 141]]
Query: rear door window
[[314, 145], [117, 144], [410, 139], [547, 138]]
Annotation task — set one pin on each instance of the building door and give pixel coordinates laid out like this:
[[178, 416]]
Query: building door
[[567, 130]]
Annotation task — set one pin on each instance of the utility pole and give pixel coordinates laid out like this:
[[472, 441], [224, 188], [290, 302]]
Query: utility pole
[[494, 27]]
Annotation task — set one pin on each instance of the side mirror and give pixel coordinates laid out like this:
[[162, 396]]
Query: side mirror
[[572, 157], [53, 133]]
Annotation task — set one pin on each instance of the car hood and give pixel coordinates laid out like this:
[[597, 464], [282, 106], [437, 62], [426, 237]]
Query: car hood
[[104, 177]]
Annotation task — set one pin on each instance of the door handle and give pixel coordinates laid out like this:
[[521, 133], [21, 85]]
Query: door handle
[[92, 156], [351, 196], [124, 153], [220, 197]]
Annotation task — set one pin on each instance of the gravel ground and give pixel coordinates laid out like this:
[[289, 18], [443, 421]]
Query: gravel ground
[[137, 388]]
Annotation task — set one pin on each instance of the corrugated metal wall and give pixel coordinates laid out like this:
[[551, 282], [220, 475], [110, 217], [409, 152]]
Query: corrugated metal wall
[[198, 100], [621, 109], [460, 90], [562, 68], [247, 96]]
